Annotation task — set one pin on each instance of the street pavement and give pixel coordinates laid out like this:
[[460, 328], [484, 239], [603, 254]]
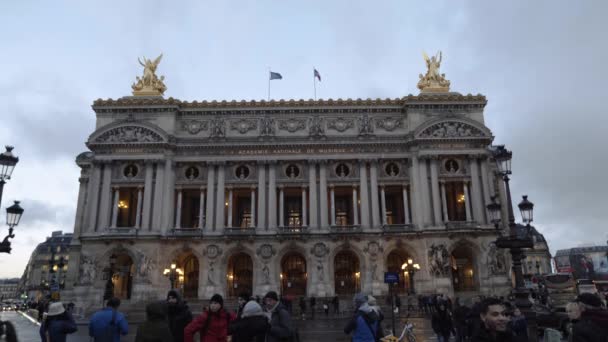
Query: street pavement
[[320, 329]]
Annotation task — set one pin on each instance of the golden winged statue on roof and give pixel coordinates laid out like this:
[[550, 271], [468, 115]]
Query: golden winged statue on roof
[[149, 84], [433, 81]]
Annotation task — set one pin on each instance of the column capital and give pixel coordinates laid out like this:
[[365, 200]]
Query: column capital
[[355, 186], [253, 187], [83, 180], [405, 184], [140, 187], [229, 187], [331, 186], [304, 186], [466, 181], [115, 187], [179, 187], [203, 188]]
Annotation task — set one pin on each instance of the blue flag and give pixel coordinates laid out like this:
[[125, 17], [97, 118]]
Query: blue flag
[[275, 76]]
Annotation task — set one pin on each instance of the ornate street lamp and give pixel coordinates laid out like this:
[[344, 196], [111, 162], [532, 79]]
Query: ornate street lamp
[[173, 273], [14, 212], [410, 269], [7, 165], [13, 216]]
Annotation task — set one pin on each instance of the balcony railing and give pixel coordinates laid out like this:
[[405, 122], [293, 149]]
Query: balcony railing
[[293, 230], [345, 229], [239, 231], [462, 225], [186, 232], [122, 231], [398, 228]]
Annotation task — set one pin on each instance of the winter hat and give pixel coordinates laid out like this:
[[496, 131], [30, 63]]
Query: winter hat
[[359, 299], [252, 308], [272, 295], [244, 296], [173, 293], [589, 299], [371, 300], [56, 309], [218, 299]]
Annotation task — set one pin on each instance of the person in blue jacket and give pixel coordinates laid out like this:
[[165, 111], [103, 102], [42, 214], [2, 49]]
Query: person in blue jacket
[[365, 324], [57, 324], [108, 324]]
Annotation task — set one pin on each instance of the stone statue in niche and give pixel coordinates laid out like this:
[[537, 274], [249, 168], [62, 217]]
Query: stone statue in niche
[[366, 126], [320, 270], [211, 273], [316, 129], [87, 270], [267, 127], [439, 260], [265, 274]]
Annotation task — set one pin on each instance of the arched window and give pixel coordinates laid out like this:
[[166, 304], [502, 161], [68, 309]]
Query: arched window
[[293, 275], [190, 281], [394, 261], [347, 273], [463, 269], [240, 274]]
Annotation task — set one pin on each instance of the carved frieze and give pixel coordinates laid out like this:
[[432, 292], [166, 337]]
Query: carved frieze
[[373, 248], [266, 251], [218, 128], [194, 126], [135, 134], [87, 270], [340, 124], [451, 129], [243, 125], [366, 126], [213, 251], [439, 261], [319, 250], [266, 127], [389, 124], [316, 128], [292, 125]]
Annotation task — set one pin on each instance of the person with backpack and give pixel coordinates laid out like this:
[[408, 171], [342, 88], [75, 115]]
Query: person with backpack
[[365, 323], [108, 324], [281, 326], [155, 328], [212, 324], [57, 324], [178, 315], [251, 326]]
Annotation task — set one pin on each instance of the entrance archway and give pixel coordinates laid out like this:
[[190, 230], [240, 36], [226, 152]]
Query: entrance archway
[[191, 272], [463, 269], [122, 276], [347, 274], [394, 261], [293, 275], [240, 274]]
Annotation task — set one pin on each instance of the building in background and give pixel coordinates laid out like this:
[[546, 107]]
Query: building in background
[[538, 260], [48, 265], [8, 288], [585, 263]]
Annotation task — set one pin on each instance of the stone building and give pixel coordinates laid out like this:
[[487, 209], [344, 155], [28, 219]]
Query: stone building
[[8, 288], [48, 265], [538, 259], [303, 197]]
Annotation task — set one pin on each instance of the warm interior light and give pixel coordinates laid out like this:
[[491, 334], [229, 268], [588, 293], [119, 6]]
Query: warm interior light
[[471, 272], [405, 272], [357, 274], [166, 271], [416, 266], [181, 278], [231, 277], [226, 203], [122, 205], [179, 271], [54, 267], [460, 198], [281, 275], [173, 266], [410, 261], [403, 266]]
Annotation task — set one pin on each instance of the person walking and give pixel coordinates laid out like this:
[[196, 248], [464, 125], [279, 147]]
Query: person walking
[[303, 308], [252, 326], [442, 323], [155, 328], [365, 323], [326, 307], [212, 324], [336, 304], [461, 313], [281, 326], [57, 324], [313, 304], [108, 324], [178, 315], [592, 325]]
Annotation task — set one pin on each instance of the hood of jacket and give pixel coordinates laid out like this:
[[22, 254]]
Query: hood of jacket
[[368, 313]]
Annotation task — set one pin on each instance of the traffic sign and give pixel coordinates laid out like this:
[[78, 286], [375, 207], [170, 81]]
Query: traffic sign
[[391, 277], [54, 287]]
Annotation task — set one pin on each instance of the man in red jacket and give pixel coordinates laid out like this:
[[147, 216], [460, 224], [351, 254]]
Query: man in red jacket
[[212, 324]]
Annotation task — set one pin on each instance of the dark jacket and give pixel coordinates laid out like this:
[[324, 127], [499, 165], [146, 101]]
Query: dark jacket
[[212, 326], [249, 329], [100, 321], [365, 325], [281, 327], [178, 316], [442, 323], [483, 335], [591, 327], [58, 327], [155, 328]]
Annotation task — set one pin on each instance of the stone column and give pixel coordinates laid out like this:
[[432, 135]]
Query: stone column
[[220, 199], [467, 197], [230, 210], [115, 206], [139, 204], [323, 194], [178, 209], [261, 195], [201, 209], [333, 205], [80, 208], [93, 198], [169, 195], [147, 205], [373, 172], [355, 206], [476, 199], [486, 186], [304, 215], [312, 195], [272, 196], [210, 193], [252, 223], [424, 192], [406, 206], [504, 212], [364, 194], [105, 202], [383, 204], [435, 192], [415, 192], [158, 197], [281, 207], [444, 201]]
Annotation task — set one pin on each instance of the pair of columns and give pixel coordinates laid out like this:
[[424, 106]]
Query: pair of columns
[[406, 206]]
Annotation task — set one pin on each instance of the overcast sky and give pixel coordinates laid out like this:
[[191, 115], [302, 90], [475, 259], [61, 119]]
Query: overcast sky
[[541, 65]]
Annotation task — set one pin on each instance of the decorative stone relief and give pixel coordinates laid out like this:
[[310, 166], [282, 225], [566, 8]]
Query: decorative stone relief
[[87, 270], [451, 130], [145, 265], [243, 125], [389, 124], [194, 126], [439, 261], [266, 251], [366, 126], [316, 129], [265, 274], [211, 273], [292, 125], [320, 270], [374, 271], [267, 127], [340, 124], [319, 250], [373, 248], [129, 134], [496, 260], [218, 128], [213, 251]]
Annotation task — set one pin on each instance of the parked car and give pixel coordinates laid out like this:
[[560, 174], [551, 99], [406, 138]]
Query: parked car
[[551, 318]]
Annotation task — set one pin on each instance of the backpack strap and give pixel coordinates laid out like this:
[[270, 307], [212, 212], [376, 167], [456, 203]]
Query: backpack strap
[[371, 330]]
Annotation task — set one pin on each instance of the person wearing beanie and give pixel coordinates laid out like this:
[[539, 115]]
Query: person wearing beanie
[[365, 324], [212, 324], [593, 322], [243, 298], [178, 315], [252, 326], [281, 326], [57, 324]]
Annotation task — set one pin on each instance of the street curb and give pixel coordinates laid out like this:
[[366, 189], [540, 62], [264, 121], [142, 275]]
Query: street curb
[[28, 318]]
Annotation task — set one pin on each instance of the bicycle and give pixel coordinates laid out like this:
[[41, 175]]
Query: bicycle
[[407, 332]]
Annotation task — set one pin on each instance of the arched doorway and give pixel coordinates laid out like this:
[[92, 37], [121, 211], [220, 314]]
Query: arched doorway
[[293, 275], [347, 274], [394, 261], [190, 281], [122, 275], [240, 274], [463, 269]]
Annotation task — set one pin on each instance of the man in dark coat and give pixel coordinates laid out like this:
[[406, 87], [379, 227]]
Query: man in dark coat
[[281, 326], [251, 326], [495, 323], [593, 323], [242, 300], [178, 314], [155, 328], [442, 323]]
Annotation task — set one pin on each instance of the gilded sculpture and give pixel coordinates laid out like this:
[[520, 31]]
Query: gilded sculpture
[[149, 84], [433, 81]]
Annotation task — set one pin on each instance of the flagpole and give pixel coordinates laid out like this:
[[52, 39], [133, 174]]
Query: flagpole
[[268, 83], [314, 82]]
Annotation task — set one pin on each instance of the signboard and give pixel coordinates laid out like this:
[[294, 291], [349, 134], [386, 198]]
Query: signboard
[[584, 262], [54, 287], [391, 277]]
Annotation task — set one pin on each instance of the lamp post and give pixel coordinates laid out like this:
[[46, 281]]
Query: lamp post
[[14, 212], [518, 238], [410, 269], [173, 273], [109, 289]]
